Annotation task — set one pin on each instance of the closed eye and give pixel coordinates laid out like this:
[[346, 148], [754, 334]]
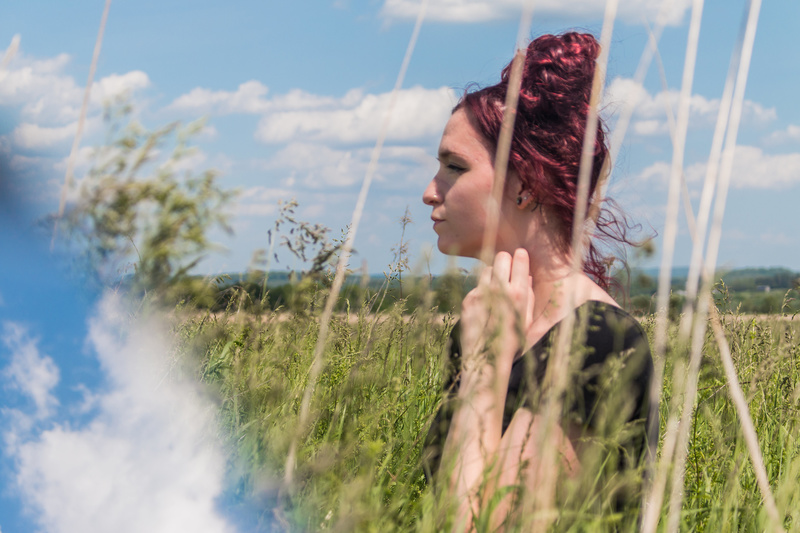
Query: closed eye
[[453, 167]]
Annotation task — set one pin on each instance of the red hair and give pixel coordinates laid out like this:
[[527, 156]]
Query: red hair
[[548, 134]]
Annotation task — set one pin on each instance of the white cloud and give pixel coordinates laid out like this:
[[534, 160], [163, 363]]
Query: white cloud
[[83, 159], [33, 374], [318, 166], [28, 135], [650, 127], [22, 163], [251, 97], [149, 459], [299, 116], [248, 98], [118, 84], [752, 168], [790, 134], [40, 87], [33, 136], [417, 113], [778, 239], [193, 161], [262, 201], [208, 133], [483, 10], [650, 115], [47, 95]]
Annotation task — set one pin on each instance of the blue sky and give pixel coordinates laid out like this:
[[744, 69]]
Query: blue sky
[[294, 94], [294, 97]]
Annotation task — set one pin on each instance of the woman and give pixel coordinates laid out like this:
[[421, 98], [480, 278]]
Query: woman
[[488, 435]]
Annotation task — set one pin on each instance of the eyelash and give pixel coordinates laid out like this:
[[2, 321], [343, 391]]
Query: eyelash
[[452, 167]]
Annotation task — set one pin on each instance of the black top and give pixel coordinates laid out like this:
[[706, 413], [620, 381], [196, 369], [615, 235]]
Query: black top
[[610, 372]]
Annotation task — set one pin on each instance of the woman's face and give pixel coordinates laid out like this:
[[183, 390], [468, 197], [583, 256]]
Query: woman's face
[[459, 191]]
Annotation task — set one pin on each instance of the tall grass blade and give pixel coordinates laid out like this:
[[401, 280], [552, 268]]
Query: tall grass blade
[[81, 121], [344, 257], [506, 135], [11, 51], [655, 494], [708, 269], [557, 369]]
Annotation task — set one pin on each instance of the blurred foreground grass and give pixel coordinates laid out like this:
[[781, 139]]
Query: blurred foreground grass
[[360, 465]]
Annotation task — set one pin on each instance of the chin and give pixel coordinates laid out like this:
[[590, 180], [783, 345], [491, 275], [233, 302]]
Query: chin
[[446, 248], [456, 250]]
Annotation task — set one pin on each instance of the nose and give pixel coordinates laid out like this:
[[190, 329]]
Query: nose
[[431, 195]]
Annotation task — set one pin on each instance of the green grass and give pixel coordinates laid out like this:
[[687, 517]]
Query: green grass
[[360, 467]]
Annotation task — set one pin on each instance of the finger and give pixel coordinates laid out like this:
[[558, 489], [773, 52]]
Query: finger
[[485, 279], [520, 281], [520, 269], [531, 301], [502, 267]]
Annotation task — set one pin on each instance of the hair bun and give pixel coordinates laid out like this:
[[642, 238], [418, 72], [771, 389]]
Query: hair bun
[[558, 71]]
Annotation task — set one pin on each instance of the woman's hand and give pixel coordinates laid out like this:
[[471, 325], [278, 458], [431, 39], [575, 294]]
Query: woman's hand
[[494, 318], [496, 314]]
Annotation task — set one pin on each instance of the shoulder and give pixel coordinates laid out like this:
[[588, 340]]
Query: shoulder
[[608, 322], [611, 333]]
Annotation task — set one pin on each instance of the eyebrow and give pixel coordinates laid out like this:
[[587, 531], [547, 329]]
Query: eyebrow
[[449, 153]]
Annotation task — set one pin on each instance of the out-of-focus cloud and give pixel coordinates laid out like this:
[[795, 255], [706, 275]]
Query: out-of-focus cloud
[[418, 112], [650, 110], [790, 134], [251, 98], [356, 117], [31, 373], [248, 98], [148, 460], [48, 101], [471, 11], [317, 166], [33, 136], [50, 97], [752, 169], [118, 84]]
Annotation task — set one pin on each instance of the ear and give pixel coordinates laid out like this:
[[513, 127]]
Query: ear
[[524, 200]]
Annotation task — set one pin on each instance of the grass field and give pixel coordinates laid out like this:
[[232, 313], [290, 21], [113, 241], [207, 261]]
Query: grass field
[[359, 464]]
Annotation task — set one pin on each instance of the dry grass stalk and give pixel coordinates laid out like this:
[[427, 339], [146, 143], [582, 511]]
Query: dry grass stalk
[[506, 135], [11, 51], [557, 370], [629, 105], [654, 496], [73, 153], [711, 258], [344, 257], [709, 185]]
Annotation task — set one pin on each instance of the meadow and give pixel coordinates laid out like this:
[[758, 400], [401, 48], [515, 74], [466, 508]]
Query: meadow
[[360, 460], [351, 420], [331, 434]]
